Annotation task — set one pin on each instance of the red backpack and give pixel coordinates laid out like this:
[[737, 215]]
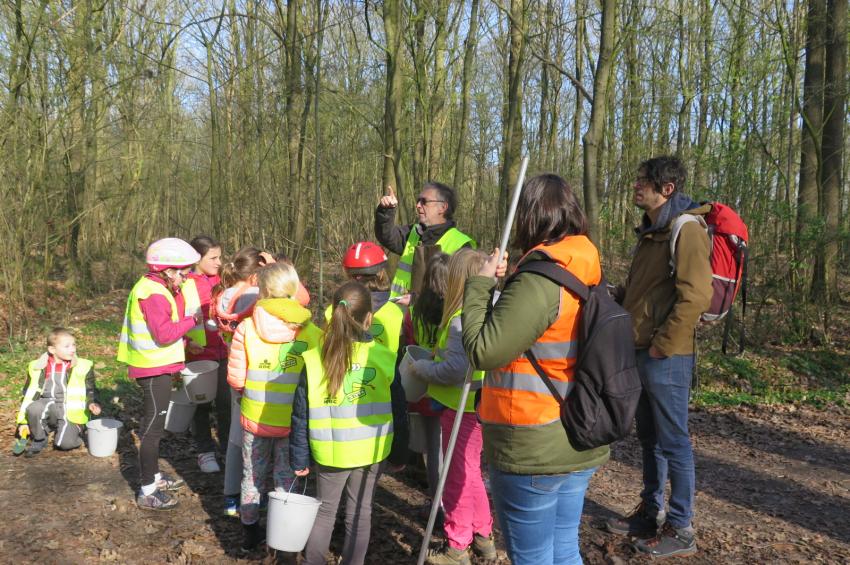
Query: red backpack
[[729, 238]]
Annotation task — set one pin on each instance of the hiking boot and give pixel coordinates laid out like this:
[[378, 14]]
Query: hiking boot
[[207, 463], [484, 547], [252, 536], [448, 556], [167, 482], [35, 447], [640, 522], [159, 500], [231, 506], [670, 542]]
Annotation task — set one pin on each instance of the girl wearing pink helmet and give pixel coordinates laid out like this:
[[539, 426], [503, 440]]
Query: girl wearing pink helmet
[[152, 346]]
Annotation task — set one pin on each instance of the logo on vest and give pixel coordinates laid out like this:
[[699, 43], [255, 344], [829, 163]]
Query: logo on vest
[[357, 381], [290, 356]]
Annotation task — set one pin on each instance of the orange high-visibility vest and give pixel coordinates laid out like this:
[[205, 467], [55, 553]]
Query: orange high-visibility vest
[[515, 395]]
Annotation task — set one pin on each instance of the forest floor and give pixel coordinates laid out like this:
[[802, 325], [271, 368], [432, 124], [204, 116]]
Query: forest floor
[[773, 475]]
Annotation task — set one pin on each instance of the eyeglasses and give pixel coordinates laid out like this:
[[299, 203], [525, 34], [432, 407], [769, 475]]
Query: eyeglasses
[[425, 201]]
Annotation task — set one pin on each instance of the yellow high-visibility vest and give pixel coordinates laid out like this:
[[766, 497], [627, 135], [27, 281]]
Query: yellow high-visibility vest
[[137, 346], [274, 370], [353, 428], [449, 395], [386, 324], [192, 304], [76, 408], [449, 243]]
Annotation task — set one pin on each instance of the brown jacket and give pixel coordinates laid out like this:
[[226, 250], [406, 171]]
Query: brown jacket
[[665, 309]]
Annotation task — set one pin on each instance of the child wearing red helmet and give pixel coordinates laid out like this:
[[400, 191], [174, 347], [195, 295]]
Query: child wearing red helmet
[[151, 345], [365, 262]]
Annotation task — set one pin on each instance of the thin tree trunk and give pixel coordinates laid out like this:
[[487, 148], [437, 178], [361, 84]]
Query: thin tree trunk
[[593, 137], [466, 77]]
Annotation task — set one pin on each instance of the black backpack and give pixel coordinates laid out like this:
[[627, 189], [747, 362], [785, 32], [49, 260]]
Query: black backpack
[[601, 404]]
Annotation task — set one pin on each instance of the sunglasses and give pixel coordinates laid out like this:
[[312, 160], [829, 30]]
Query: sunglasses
[[425, 201]]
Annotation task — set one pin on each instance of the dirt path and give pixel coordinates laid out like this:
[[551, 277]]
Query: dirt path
[[773, 487]]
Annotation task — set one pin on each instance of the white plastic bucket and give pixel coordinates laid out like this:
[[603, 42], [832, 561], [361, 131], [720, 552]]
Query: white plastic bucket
[[180, 412], [200, 378], [103, 436], [414, 388], [418, 442], [290, 520]]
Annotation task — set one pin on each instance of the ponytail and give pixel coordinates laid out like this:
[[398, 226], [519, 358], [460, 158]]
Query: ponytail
[[241, 266], [352, 304]]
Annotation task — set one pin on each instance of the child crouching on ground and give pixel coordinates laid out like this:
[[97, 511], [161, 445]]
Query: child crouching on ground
[[265, 365], [58, 397]]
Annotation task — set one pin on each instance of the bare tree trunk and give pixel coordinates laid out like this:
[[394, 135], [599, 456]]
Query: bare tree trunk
[[810, 142], [825, 283], [512, 128], [392, 101], [581, 9], [466, 77], [593, 137]]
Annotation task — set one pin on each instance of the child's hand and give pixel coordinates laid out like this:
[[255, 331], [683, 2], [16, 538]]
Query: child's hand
[[302, 472], [23, 431], [491, 268], [198, 317], [403, 300], [94, 408]]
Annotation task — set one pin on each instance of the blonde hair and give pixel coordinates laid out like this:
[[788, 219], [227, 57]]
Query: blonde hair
[[56, 333], [278, 280], [462, 265], [352, 303]]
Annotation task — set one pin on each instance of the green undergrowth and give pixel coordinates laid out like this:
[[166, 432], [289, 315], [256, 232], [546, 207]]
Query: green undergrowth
[[96, 340], [816, 377], [773, 374]]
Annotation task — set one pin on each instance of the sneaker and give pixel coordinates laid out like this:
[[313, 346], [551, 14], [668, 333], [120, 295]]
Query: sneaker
[[207, 463], [252, 536], [35, 447], [159, 500], [670, 542], [484, 547], [448, 556], [167, 482], [640, 522], [231, 506]]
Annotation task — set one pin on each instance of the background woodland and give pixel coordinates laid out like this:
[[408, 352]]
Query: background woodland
[[278, 123]]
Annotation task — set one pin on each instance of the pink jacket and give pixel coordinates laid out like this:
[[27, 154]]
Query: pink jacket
[[276, 327]]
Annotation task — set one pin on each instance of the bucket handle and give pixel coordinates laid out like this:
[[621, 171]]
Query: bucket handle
[[292, 484]]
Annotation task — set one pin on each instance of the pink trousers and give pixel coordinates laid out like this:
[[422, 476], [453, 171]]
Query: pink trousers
[[465, 502]]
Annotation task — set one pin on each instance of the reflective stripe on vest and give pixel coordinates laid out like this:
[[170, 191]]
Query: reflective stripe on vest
[[355, 427], [274, 370], [515, 395], [137, 347], [192, 299], [76, 405], [386, 324], [449, 395], [449, 243]]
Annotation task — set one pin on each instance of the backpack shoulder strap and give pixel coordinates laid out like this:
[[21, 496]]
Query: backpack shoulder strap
[[557, 274], [676, 230]]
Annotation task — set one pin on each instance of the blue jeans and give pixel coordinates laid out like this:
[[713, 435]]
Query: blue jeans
[[662, 428], [540, 515]]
